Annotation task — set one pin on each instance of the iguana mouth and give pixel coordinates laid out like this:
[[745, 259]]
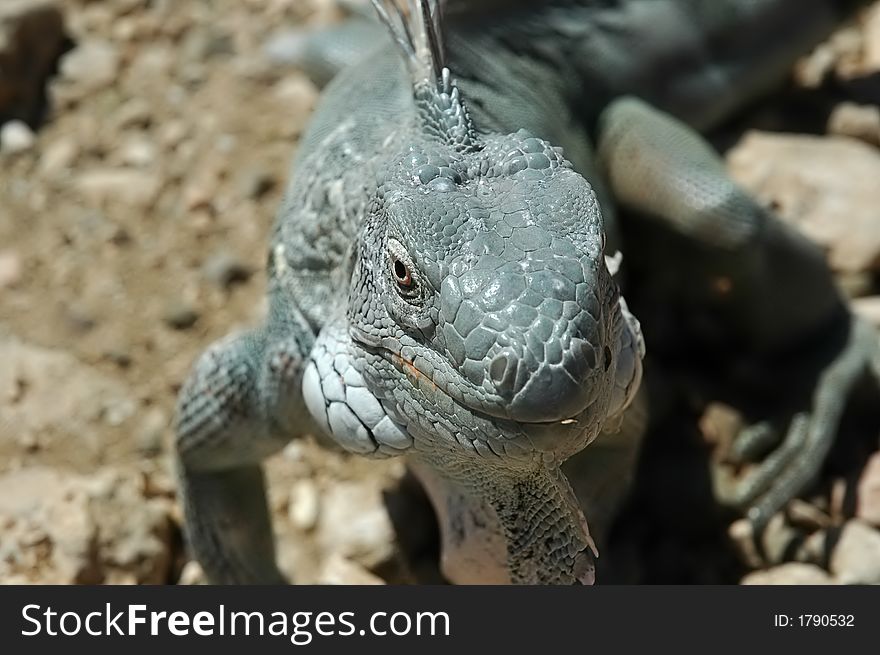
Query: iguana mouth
[[492, 410]]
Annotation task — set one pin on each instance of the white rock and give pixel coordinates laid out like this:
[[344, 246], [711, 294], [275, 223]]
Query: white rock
[[355, 524], [856, 121], [792, 573], [63, 528], [868, 308], [304, 505], [192, 574], [856, 556], [868, 492], [871, 57], [338, 570], [16, 137], [52, 394], [131, 187], [825, 187], [10, 269], [58, 157], [91, 66]]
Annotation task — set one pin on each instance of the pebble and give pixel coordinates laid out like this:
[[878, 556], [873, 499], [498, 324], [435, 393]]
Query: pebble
[[868, 492], [871, 54], [825, 187], [66, 530], [118, 356], [778, 538], [856, 556], [137, 152], [868, 308], [136, 112], [91, 66], [256, 183], [152, 431], [137, 188], [226, 270], [338, 570], [804, 515], [286, 47], [29, 442], [777, 541], [791, 573], [119, 411], [58, 157], [10, 269], [16, 137], [180, 315], [353, 522], [814, 549], [192, 574], [80, 318], [303, 506], [857, 121]]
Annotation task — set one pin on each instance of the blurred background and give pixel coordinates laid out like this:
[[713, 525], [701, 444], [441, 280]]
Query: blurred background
[[144, 148]]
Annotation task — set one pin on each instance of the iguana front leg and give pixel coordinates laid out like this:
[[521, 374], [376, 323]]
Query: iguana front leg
[[241, 403], [735, 287]]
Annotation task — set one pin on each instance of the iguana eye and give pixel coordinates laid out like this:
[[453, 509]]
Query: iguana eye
[[402, 275], [401, 267]]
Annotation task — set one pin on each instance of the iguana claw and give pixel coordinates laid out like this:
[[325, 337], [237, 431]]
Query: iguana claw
[[796, 461]]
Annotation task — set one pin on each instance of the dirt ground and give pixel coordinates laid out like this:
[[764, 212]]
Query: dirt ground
[[133, 225]]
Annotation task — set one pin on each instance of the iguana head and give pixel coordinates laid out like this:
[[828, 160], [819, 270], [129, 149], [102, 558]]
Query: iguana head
[[481, 275]]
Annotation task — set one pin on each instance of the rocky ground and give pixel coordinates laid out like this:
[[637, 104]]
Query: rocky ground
[[133, 222]]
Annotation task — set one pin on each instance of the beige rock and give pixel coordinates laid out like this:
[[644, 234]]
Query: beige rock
[[857, 121], [91, 66], [50, 393], [58, 157], [826, 187], [871, 55], [806, 515], [16, 137], [814, 549], [353, 523], [130, 187], [10, 269], [304, 504], [868, 492], [856, 556], [792, 573], [868, 308], [338, 570], [137, 152], [192, 574], [63, 528]]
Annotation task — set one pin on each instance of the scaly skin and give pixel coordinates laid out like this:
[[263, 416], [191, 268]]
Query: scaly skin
[[439, 286]]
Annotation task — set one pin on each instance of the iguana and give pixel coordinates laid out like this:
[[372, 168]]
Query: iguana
[[443, 279]]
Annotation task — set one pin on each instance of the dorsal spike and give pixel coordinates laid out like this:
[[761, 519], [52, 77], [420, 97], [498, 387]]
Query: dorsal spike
[[416, 27]]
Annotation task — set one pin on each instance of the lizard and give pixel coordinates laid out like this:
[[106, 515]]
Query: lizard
[[443, 279]]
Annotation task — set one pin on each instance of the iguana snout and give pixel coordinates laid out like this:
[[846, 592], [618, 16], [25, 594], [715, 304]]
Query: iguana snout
[[524, 322]]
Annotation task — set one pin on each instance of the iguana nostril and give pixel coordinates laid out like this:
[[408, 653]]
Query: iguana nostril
[[588, 352], [502, 370]]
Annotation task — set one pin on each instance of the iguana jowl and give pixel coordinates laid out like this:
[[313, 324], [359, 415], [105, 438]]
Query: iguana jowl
[[439, 283]]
